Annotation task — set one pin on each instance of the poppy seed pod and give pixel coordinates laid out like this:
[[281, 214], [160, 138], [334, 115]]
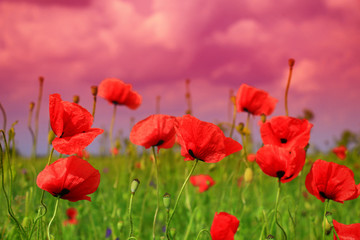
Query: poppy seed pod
[[76, 99], [41, 79], [94, 90], [291, 62], [134, 185], [167, 201]]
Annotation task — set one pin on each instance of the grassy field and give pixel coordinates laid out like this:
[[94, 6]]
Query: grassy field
[[252, 203]]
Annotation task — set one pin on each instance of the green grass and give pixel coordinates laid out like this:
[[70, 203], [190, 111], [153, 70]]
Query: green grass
[[253, 204]]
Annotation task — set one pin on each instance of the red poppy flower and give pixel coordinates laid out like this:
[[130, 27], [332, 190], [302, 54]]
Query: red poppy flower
[[114, 151], [254, 101], [71, 123], [83, 154], [286, 132], [328, 180], [204, 182], [281, 163], [347, 232], [118, 92], [155, 130], [69, 178], [224, 226], [340, 152], [71, 213], [202, 140], [251, 157]]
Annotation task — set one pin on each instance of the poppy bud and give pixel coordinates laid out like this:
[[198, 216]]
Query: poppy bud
[[327, 226], [134, 185], [11, 133], [270, 237], [233, 99], [41, 79], [94, 90], [291, 62], [329, 218], [167, 201], [120, 225], [31, 106], [263, 118], [51, 137], [240, 127], [248, 175], [173, 232], [76, 99]]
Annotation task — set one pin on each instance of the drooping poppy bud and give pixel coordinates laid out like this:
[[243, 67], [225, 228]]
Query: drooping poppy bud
[[167, 201], [134, 185]]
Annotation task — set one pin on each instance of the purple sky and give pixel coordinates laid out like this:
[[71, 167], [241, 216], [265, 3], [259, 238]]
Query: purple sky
[[156, 44]]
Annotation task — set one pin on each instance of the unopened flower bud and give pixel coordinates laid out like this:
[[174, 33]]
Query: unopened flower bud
[[11, 133], [291, 62], [31, 106], [76, 99], [233, 99], [94, 90], [51, 137], [327, 226], [134, 185], [240, 127], [329, 218], [173, 232], [263, 118], [248, 175], [167, 201], [270, 237]]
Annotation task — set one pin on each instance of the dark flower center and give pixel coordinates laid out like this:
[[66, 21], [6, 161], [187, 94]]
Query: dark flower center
[[283, 140], [191, 153], [160, 142], [245, 110], [280, 174], [62, 193], [323, 195]]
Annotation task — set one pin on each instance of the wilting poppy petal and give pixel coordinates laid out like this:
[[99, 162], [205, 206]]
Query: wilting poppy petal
[[254, 101], [202, 140], [118, 92], [340, 152], [347, 232], [204, 182], [282, 163], [155, 130], [224, 226], [286, 132], [71, 123], [69, 178], [328, 180]]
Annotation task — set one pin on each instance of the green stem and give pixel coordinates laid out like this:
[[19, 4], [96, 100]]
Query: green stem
[[8, 200], [276, 210], [130, 217], [287, 91], [111, 128], [157, 191], [233, 121], [4, 115], [178, 197], [337, 236], [204, 230], [324, 217], [94, 107], [53, 217], [37, 115]]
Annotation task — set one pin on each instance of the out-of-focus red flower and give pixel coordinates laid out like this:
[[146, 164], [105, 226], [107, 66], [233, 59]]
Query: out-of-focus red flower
[[138, 165], [328, 180], [71, 123], [156, 130], [240, 181], [118, 92], [114, 151], [340, 152], [347, 232], [254, 101], [281, 163], [251, 157], [69, 178], [202, 140], [71, 213], [83, 154], [224, 226], [286, 132], [204, 182]]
